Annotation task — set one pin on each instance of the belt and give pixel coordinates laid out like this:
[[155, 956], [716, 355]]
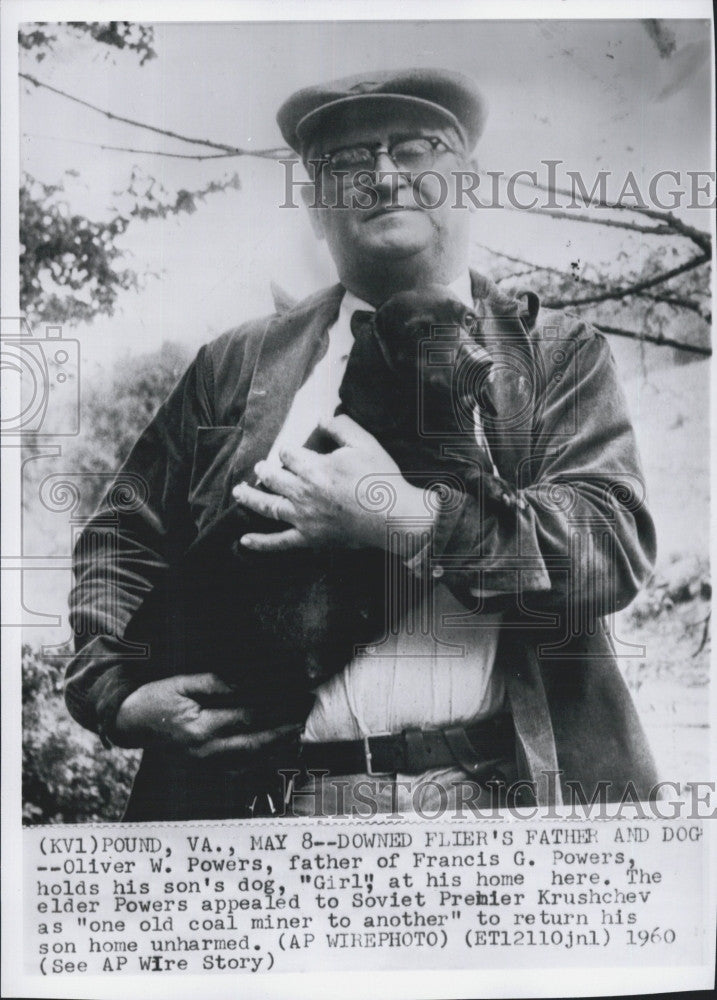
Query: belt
[[413, 751]]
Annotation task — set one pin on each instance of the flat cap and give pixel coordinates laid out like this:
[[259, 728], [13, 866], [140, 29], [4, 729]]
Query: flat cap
[[451, 94]]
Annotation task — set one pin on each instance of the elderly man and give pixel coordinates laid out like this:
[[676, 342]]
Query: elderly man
[[515, 675]]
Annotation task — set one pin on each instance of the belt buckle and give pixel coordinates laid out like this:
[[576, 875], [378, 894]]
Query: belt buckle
[[369, 756]]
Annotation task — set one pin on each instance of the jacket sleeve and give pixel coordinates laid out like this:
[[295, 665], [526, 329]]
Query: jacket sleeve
[[124, 551], [581, 540]]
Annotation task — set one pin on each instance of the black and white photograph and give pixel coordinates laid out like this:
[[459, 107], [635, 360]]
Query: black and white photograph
[[356, 471]]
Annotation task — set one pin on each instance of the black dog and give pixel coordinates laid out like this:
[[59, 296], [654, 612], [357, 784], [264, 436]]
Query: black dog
[[273, 623]]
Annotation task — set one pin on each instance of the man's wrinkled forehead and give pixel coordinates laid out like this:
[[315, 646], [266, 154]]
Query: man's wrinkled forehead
[[367, 124]]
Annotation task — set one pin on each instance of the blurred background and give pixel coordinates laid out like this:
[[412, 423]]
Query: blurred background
[[151, 221]]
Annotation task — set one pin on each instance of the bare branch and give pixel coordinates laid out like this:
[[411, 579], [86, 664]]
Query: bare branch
[[701, 239], [129, 149], [233, 150], [678, 302], [516, 274], [621, 293], [522, 262], [667, 219], [617, 331], [556, 213], [705, 635], [656, 338]]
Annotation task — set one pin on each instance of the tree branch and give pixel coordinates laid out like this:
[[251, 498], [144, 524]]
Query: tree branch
[[705, 635], [656, 338], [621, 293], [700, 238], [676, 301], [521, 261], [617, 331], [130, 149], [557, 213], [516, 274], [232, 150]]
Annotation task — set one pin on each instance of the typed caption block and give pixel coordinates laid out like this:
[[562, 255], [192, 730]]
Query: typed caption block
[[292, 896]]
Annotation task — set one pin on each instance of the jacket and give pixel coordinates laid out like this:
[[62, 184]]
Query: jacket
[[575, 551]]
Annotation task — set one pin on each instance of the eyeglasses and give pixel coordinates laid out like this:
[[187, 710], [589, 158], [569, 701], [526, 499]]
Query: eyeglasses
[[411, 155]]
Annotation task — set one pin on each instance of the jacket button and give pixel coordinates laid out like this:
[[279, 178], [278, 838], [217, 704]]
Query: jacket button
[[437, 572]]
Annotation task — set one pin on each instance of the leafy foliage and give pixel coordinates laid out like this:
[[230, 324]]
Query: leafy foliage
[[137, 38], [70, 266], [151, 200], [671, 619], [68, 776], [63, 250]]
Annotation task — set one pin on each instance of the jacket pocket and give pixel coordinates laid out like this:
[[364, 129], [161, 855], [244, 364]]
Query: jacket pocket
[[213, 451]]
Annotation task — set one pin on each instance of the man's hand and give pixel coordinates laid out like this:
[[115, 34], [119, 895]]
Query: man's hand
[[171, 713], [328, 498]]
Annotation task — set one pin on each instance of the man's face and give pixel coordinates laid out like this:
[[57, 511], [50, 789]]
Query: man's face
[[395, 224]]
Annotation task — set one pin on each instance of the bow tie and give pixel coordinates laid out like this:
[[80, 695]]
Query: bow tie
[[367, 337]]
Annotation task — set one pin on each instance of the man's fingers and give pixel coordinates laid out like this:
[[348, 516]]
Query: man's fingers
[[243, 742], [279, 542], [219, 721], [347, 432], [301, 461], [278, 480], [191, 684], [267, 504]]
